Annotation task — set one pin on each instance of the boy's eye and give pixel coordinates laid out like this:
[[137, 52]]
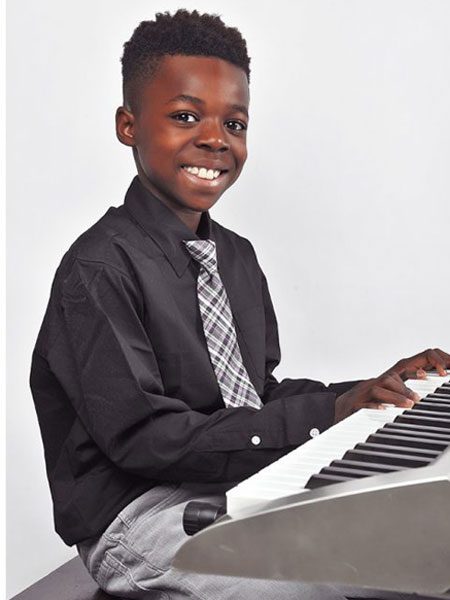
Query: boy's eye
[[236, 125], [185, 117]]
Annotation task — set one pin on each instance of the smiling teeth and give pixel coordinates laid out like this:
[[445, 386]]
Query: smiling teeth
[[203, 173]]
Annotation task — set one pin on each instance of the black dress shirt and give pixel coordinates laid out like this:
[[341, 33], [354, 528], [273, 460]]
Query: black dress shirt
[[123, 386]]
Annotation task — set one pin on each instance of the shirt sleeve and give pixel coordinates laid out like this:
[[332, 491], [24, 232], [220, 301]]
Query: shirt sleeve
[[105, 361]]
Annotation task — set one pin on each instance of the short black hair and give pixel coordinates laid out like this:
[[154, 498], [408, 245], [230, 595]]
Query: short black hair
[[186, 33]]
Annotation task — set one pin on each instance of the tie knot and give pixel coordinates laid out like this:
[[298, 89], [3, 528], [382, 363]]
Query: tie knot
[[204, 252]]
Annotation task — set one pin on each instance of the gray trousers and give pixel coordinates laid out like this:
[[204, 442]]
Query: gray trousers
[[132, 558]]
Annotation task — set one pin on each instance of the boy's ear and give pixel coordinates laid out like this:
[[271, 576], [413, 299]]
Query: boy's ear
[[125, 126]]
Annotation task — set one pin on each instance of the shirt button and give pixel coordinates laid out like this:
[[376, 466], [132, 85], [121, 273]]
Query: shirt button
[[256, 440], [314, 432]]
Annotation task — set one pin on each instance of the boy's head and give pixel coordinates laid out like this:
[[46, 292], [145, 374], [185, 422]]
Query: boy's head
[[185, 33], [186, 96]]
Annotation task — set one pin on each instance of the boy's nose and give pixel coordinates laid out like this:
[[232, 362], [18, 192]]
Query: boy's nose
[[212, 138], [214, 145]]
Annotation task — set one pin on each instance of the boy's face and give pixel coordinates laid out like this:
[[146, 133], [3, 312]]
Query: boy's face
[[193, 113]]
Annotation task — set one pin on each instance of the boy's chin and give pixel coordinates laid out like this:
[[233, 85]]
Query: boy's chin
[[199, 200], [200, 204]]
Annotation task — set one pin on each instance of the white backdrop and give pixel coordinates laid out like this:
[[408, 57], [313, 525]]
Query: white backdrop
[[345, 195]]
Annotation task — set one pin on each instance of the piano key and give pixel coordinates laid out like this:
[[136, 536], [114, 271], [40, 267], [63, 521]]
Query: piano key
[[429, 430], [399, 440], [408, 450], [402, 460], [357, 464], [425, 387], [426, 412], [445, 389], [440, 394], [414, 430], [434, 406], [423, 418], [321, 480], [438, 397], [351, 473], [443, 402], [430, 384], [412, 434], [425, 401]]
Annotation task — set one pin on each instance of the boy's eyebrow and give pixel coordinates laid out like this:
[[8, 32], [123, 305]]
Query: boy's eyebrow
[[195, 100]]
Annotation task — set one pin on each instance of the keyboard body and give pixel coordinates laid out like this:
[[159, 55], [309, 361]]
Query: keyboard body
[[389, 531]]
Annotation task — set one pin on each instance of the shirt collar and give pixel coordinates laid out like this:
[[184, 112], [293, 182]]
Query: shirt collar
[[164, 227]]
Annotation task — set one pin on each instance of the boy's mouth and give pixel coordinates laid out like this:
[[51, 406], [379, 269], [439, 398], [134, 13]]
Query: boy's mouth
[[203, 173]]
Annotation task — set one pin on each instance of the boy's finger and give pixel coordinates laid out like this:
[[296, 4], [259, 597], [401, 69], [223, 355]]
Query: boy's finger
[[414, 374], [394, 383], [375, 405], [386, 396], [438, 360]]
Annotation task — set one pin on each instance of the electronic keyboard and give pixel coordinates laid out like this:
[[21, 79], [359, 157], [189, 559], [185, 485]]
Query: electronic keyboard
[[366, 503]]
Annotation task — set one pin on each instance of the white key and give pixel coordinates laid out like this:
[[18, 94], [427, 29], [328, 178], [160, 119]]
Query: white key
[[428, 385]]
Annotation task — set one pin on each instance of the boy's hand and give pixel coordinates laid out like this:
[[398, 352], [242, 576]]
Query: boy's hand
[[416, 366], [374, 393], [389, 387]]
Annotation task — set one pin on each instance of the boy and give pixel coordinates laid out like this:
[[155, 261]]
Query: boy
[[152, 372]]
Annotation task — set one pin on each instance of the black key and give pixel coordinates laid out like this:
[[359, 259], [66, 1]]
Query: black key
[[351, 473], [401, 460], [317, 481], [423, 418], [429, 405], [415, 442], [429, 429], [408, 431], [407, 450], [437, 398], [426, 412], [357, 464], [444, 389]]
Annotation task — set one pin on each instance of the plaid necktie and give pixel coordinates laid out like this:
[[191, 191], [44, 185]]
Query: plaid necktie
[[220, 334]]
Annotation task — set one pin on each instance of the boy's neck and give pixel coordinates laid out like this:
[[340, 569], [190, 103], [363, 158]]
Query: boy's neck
[[190, 219]]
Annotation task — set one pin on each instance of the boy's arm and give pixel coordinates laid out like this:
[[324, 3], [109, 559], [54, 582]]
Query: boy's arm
[[102, 360]]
